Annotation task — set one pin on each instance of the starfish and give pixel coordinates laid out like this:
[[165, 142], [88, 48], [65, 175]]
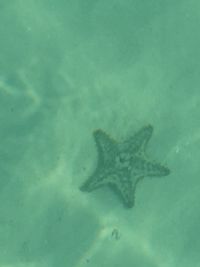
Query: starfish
[[122, 165]]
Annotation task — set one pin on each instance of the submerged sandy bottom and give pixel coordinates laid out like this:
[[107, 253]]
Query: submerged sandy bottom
[[66, 70]]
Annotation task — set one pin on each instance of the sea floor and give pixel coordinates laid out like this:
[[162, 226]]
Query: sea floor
[[67, 69]]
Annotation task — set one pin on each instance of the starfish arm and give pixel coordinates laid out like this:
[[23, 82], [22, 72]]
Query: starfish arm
[[157, 170], [128, 196], [90, 184], [145, 167], [139, 141], [106, 147], [126, 190], [98, 179]]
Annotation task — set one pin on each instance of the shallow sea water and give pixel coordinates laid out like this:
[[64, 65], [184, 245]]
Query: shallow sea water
[[66, 69]]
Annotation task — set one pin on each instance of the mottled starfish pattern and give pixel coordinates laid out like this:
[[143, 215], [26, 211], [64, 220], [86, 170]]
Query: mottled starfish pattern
[[123, 164]]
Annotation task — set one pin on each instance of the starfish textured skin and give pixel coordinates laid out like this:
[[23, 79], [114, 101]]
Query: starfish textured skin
[[122, 165]]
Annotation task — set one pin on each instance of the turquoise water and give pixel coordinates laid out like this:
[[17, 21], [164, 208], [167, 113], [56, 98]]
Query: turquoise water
[[66, 69]]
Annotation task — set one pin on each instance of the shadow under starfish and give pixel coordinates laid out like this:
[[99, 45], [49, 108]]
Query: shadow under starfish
[[122, 165]]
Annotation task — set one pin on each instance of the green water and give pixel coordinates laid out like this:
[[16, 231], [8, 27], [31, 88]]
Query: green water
[[66, 69]]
